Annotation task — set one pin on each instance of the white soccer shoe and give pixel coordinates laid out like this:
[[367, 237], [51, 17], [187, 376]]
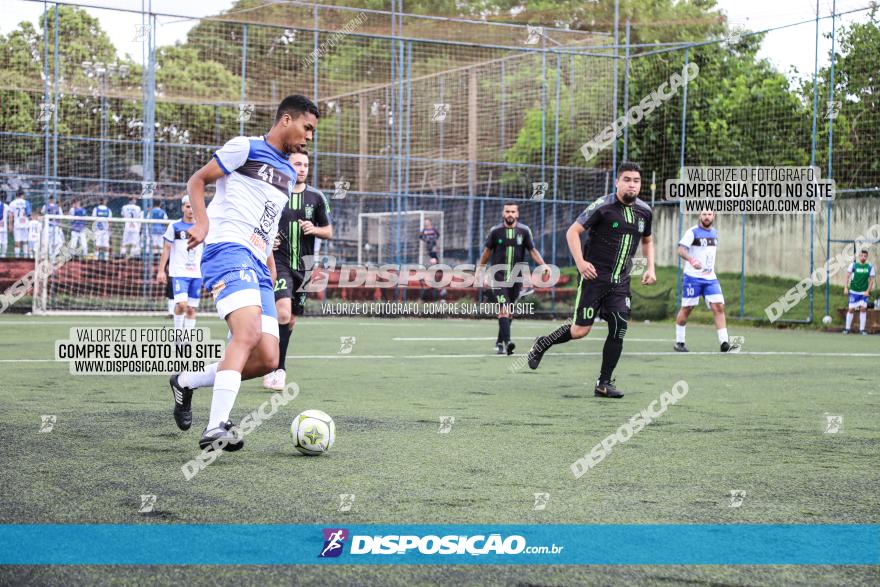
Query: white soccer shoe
[[276, 380]]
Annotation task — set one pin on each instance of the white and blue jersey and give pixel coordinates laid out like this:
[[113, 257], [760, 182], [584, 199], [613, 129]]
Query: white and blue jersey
[[51, 209], [101, 211], [20, 209], [243, 221], [702, 245], [158, 214], [184, 265], [4, 216], [77, 225]]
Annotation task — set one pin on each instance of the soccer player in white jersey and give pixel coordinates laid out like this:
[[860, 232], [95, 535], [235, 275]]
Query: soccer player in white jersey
[[21, 212], [54, 238], [5, 215], [131, 234], [102, 229], [34, 227], [184, 268], [254, 182], [698, 247]]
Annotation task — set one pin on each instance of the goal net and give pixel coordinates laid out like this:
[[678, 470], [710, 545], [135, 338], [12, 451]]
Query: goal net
[[400, 237], [99, 265]]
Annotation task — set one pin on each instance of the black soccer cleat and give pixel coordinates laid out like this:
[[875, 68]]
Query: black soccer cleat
[[535, 354], [726, 347], [607, 389], [499, 348], [221, 438], [681, 347], [510, 347], [183, 415]]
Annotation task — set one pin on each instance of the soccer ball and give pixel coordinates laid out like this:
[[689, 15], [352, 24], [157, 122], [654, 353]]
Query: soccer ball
[[827, 320], [313, 432]]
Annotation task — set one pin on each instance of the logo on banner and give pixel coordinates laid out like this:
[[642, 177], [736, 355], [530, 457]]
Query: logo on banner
[[334, 540]]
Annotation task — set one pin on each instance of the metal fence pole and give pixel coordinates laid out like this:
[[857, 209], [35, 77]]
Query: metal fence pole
[[684, 105], [555, 174], [614, 99], [830, 152], [244, 42], [626, 94]]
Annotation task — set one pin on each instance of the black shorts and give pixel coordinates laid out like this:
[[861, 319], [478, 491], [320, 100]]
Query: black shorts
[[286, 284], [597, 297], [169, 289], [506, 295]]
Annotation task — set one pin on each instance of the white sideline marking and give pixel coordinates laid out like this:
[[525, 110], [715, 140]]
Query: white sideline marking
[[478, 356]]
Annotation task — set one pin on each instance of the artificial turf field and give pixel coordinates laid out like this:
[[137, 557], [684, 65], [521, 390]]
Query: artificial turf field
[[753, 421]]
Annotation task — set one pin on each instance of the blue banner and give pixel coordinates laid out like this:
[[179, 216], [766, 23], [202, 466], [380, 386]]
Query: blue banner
[[250, 544]]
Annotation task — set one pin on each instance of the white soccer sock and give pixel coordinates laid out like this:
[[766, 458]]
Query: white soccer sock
[[178, 321], [863, 316], [171, 306], [226, 385], [189, 324], [849, 320], [722, 335], [17, 251], [679, 333], [196, 379]]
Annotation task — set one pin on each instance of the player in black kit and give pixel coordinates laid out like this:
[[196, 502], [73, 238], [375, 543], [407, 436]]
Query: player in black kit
[[507, 244], [306, 216], [615, 224]]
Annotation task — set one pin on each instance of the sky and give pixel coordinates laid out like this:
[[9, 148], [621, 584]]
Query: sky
[[785, 48]]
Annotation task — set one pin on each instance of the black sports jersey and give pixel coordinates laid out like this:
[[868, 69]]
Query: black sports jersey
[[508, 246], [613, 234], [311, 205]]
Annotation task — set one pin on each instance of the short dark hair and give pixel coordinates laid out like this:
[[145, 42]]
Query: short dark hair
[[295, 106], [300, 150], [511, 203], [865, 251], [628, 166]]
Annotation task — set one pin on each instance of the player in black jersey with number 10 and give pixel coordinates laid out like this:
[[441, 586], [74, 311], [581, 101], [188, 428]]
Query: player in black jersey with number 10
[[306, 216], [615, 225]]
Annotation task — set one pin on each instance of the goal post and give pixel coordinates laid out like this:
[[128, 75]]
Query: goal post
[[391, 237], [101, 266]]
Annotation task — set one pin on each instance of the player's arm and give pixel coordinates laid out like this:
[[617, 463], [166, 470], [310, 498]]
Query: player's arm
[[323, 232], [573, 238], [684, 253], [163, 261], [195, 187], [649, 277], [270, 263]]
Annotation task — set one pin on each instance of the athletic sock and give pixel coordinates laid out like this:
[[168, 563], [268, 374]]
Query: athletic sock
[[504, 329], [849, 317], [178, 321], [679, 333], [226, 385], [722, 335], [610, 355], [196, 379], [284, 334], [559, 336], [171, 306], [862, 318], [189, 323]]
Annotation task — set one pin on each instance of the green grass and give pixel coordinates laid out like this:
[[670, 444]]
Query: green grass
[[750, 421]]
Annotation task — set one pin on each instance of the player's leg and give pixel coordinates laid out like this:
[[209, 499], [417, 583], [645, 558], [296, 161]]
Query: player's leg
[[4, 243], [863, 316], [180, 302], [194, 292], [681, 323], [618, 320], [500, 296], [849, 315], [284, 292], [715, 300], [589, 295]]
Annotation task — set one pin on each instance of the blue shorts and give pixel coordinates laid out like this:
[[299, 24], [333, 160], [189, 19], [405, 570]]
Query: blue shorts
[[692, 288], [858, 300], [187, 289], [236, 279]]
